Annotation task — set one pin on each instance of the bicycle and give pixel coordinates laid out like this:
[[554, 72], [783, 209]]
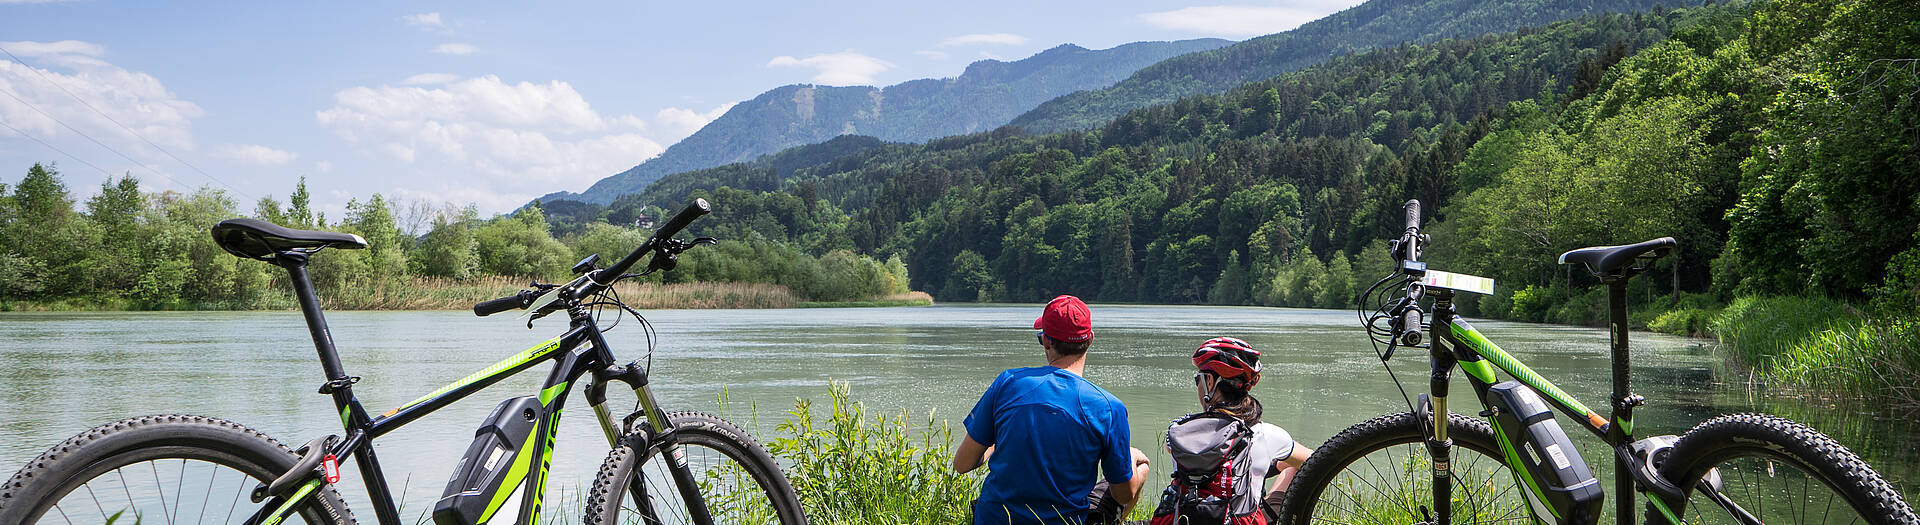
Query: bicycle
[[209, 470], [1514, 463]]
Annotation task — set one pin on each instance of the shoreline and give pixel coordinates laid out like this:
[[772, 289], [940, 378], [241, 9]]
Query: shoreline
[[439, 295]]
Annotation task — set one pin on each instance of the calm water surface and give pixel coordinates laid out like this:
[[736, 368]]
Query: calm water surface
[[62, 373]]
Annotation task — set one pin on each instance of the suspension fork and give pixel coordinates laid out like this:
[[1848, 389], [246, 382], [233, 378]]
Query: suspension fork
[[660, 436], [1439, 445]]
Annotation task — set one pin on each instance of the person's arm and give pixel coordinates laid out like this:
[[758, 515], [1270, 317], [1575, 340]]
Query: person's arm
[[979, 422], [1287, 467], [1129, 492], [970, 455]]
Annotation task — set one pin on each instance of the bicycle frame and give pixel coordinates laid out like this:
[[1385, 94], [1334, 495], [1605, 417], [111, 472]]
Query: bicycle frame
[[580, 351], [1456, 343]]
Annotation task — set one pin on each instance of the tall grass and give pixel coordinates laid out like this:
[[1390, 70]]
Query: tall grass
[[1826, 347], [425, 293]]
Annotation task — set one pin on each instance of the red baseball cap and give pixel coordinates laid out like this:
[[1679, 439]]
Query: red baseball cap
[[1066, 318]]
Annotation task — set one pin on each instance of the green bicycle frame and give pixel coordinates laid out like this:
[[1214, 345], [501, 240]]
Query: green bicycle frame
[[581, 351], [1457, 343]]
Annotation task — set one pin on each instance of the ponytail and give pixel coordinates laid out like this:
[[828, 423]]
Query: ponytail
[[1230, 396]]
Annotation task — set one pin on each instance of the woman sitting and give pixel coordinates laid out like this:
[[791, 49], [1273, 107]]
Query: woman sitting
[[1223, 455]]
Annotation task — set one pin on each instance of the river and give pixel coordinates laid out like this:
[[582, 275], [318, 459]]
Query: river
[[62, 373]]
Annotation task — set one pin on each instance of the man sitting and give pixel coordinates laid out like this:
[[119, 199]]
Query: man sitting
[[1045, 430]]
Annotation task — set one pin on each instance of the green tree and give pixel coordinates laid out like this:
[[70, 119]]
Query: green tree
[[521, 245], [299, 208], [46, 229], [116, 211], [1233, 284], [969, 278], [386, 253]]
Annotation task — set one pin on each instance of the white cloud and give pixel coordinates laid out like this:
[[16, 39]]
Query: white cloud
[[682, 122], [323, 167], [254, 154], [429, 79], [455, 48], [936, 55], [134, 99], [1232, 20], [985, 39], [424, 21], [486, 141], [845, 68]]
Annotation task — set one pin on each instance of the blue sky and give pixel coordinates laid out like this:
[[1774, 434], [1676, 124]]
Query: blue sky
[[483, 103]]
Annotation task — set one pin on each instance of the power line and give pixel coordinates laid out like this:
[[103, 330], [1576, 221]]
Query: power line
[[85, 136], [50, 146], [110, 118], [130, 131]]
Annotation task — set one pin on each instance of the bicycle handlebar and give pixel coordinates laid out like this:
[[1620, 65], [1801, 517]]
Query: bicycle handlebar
[[1410, 241], [600, 279], [595, 281], [513, 302]]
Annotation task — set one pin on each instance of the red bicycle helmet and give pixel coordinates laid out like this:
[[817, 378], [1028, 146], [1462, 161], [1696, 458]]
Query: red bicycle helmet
[[1229, 358]]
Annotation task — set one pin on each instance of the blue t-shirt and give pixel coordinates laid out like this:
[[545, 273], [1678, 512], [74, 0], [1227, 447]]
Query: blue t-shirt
[[1050, 428]]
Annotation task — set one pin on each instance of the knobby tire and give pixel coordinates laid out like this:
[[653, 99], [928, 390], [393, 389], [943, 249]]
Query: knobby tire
[[157, 469], [1779, 471], [719, 454]]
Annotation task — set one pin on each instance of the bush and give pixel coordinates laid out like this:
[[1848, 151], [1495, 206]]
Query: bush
[[1684, 321], [851, 468]]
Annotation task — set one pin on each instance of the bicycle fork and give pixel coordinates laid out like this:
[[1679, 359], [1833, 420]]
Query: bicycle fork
[[1432, 412], [660, 436]]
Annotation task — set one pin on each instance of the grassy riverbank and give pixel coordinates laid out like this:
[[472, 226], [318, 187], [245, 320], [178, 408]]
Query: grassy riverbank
[[431, 293], [1826, 348]]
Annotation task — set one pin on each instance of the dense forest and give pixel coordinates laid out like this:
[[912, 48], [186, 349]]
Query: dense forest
[[1370, 25], [130, 249], [1776, 140]]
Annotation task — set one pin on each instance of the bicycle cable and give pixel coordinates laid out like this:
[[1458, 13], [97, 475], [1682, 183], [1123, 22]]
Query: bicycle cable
[[1374, 332]]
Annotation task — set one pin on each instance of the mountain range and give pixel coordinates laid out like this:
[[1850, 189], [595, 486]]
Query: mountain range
[[987, 95]]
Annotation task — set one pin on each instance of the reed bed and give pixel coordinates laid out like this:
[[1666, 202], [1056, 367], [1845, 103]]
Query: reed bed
[[424, 293]]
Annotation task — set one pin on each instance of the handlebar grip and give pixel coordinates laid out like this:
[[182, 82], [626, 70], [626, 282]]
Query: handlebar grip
[[681, 220], [513, 302], [1410, 327], [1413, 214]]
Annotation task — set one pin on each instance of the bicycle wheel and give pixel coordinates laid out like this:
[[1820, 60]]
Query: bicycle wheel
[[1775, 470], [156, 469], [1379, 472], [737, 479]]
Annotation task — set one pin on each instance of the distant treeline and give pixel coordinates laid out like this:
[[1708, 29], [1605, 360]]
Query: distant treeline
[[135, 250]]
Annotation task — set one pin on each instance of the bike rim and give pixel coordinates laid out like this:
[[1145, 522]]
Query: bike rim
[[1772, 489], [731, 493], [1391, 484], [168, 490]]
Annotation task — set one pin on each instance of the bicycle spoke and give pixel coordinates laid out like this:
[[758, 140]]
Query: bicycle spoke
[[96, 502], [209, 499]]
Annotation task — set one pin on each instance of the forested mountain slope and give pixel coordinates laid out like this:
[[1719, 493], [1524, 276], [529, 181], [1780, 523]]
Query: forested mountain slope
[[1155, 205], [1367, 26], [987, 95]]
